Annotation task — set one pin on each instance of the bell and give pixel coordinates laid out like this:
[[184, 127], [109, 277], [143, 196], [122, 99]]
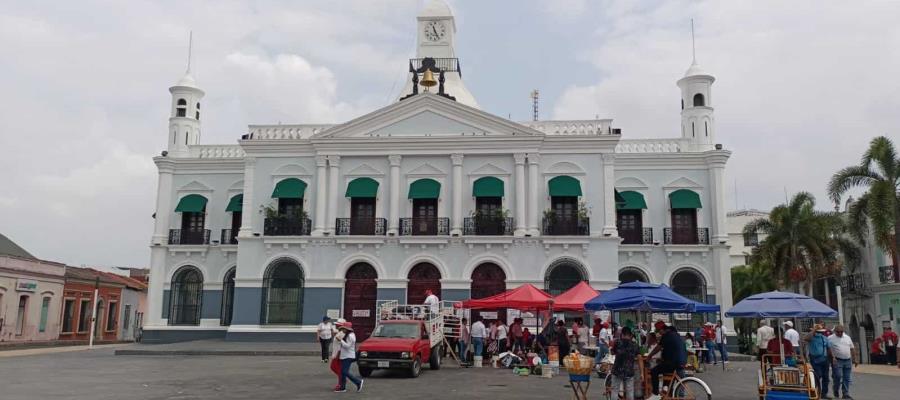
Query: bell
[[428, 79]]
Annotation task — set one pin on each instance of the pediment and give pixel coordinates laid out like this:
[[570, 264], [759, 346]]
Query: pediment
[[427, 115], [565, 168], [239, 185], [426, 169], [683, 183], [291, 170], [489, 169], [630, 183], [364, 170], [195, 186]]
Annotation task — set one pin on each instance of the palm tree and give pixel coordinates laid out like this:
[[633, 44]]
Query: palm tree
[[747, 280], [879, 207], [802, 242]]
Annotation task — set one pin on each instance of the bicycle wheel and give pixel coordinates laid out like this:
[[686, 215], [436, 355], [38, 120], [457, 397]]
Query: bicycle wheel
[[607, 388], [690, 389]]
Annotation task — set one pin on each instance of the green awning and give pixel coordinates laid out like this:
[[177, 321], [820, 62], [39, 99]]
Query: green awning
[[290, 188], [684, 198], [362, 188], [424, 189], [236, 204], [191, 203], [487, 186], [631, 201], [565, 186], [618, 198]]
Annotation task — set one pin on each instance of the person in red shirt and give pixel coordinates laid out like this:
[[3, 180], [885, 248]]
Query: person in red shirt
[[889, 338], [709, 340], [876, 352], [773, 348]]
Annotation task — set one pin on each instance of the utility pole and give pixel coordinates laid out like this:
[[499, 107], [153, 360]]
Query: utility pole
[[94, 313]]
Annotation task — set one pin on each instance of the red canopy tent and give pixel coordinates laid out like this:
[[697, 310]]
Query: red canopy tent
[[525, 297], [574, 298]]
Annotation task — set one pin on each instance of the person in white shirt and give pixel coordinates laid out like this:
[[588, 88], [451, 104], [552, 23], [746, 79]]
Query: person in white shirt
[[604, 340], [478, 333], [433, 303], [763, 335], [348, 356], [325, 331], [502, 335], [842, 361], [583, 335], [792, 335], [722, 341]]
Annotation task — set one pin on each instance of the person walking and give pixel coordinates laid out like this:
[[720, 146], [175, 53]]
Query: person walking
[[325, 332], [709, 339], [604, 340], [763, 334], [623, 368], [791, 334], [819, 357], [584, 335], [477, 334], [464, 340], [842, 361], [722, 341], [889, 338], [348, 356]]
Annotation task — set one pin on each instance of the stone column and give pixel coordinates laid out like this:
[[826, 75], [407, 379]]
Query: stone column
[[457, 220], [394, 215], [247, 205], [609, 195], [521, 225], [334, 173], [159, 242], [321, 196], [716, 164], [534, 190]]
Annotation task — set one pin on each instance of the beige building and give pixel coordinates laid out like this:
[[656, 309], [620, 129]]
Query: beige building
[[741, 246], [30, 291]]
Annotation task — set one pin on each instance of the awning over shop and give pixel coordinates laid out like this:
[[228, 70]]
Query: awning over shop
[[565, 186], [424, 189], [574, 298], [631, 201], [236, 204], [290, 188], [362, 188], [487, 186], [684, 198], [191, 203], [525, 297]]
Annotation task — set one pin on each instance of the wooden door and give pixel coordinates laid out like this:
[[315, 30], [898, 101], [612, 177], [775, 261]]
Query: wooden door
[[489, 219], [424, 217], [360, 295], [422, 276], [362, 216], [566, 210], [192, 224], [488, 279], [630, 226], [684, 226]]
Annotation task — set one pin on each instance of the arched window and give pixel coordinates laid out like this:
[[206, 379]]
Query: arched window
[[689, 283], [699, 101], [181, 109], [423, 276], [186, 293], [227, 298], [283, 294], [563, 275], [488, 279], [360, 296], [631, 274]]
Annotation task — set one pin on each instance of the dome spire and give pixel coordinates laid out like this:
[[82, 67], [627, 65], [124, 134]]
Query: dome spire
[[188, 79], [191, 46], [693, 46]]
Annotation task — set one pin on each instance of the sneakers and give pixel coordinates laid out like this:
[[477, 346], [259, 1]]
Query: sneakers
[[725, 362], [654, 397], [359, 388], [825, 396], [340, 390]]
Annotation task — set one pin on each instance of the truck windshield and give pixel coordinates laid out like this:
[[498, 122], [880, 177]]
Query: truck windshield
[[410, 331]]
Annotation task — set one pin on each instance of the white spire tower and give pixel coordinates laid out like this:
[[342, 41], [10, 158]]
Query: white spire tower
[[184, 122], [697, 118]]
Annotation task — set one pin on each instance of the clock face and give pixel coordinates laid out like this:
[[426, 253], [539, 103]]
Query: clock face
[[435, 31]]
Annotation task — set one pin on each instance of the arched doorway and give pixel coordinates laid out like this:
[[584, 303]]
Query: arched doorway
[[228, 297], [423, 276], [632, 274], [360, 294], [562, 275], [488, 279], [282, 300], [689, 283], [186, 296]]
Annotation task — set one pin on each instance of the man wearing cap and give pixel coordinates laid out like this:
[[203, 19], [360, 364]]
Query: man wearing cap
[[348, 356], [842, 361], [674, 356], [763, 334], [709, 339], [722, 341], [433, 303], [819, 354], [792, 335], [889, 338]]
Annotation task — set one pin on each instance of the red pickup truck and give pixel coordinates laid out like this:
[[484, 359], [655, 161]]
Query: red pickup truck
[[401, 344]]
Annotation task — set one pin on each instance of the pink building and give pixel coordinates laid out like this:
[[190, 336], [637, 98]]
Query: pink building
[[30, 295]]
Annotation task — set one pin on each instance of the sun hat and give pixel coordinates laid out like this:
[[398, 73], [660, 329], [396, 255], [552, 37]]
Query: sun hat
[[347, 325], [789, 324], [820, 328], [708, 323]]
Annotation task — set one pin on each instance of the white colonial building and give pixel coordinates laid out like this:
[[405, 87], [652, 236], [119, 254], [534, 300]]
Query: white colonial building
[[258, 240]]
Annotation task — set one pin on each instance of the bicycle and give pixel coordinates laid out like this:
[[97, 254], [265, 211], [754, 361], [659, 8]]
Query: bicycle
[[674, 388]]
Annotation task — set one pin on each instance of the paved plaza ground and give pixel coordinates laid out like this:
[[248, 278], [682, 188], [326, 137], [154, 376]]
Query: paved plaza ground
[[99, 374]]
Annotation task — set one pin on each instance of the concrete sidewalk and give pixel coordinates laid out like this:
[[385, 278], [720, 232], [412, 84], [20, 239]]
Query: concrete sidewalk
[[218, 347], [59, 349]]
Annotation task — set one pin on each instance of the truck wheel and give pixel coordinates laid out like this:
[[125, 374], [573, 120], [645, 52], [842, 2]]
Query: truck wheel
[[435, 361], [416, 368], [365, 372]]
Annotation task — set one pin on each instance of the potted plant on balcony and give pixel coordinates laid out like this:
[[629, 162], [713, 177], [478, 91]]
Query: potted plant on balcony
[[584, 213]]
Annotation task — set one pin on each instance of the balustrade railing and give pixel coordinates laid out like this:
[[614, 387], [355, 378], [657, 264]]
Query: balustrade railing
[[287, 226], [636, 236], [360, 226], [855, 283], [228, 237], [488, 226], [566, 226], [424, 226], [888, 274], [181, 236], [686, 236]]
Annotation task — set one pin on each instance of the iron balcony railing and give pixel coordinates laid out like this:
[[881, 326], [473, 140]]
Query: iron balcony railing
[[855, 283], [888, 274], [360, 226], [636, 236], [566, 226], [424, 226], [488, 226], [228, 237], [180, 236], [444, 64], [287, 226], [685, 236]]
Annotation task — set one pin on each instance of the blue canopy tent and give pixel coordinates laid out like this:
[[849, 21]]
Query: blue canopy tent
[[640, 296]]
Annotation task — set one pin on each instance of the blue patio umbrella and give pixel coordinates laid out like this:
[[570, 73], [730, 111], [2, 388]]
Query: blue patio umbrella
[[777, 304], [641, 296]]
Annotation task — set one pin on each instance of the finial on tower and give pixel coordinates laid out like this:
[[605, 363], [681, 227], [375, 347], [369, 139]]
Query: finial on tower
[[693, 43], [191, 45]]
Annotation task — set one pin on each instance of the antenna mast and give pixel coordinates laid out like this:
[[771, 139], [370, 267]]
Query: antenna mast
[[190, 48], [534, 104], [693, 43]]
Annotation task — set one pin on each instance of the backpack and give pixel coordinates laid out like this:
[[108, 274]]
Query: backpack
[[817, 349]]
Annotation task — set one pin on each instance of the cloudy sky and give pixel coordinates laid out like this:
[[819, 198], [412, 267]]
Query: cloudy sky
[[801, 88]]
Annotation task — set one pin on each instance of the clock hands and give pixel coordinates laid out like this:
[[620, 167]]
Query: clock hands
[[434, 29]]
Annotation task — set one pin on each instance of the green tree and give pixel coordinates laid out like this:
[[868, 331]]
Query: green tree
[[878, 209], [747, 280], [804, 241]]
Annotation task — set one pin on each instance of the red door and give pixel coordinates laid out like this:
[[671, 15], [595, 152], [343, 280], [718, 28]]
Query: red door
[[422, 276], [488, 279], [360, 293]]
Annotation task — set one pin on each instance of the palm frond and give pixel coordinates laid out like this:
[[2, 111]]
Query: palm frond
[[848, 178]]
